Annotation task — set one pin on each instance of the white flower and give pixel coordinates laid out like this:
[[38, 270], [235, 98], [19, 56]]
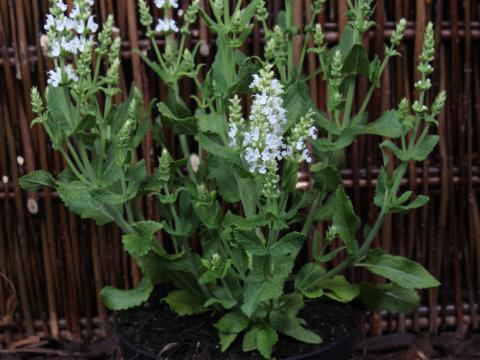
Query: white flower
[[312, 132], [161, 3], [55, 49], [50, 22], [255, 82], [299, 144], [74, 13], [306, 156], [92, 25], [61, 5], [54, 77], [166, 25], [71, 74]]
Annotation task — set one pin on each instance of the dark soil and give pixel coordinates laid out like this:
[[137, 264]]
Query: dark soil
[[156, 329]]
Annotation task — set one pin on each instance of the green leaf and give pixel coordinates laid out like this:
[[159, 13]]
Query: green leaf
[[390, 297], [177, 113], [222, 173], [209, 215], [326, 178], [292, 327], [266, 338], [399, 153], [259, 288], [250, 242], [221, 69], [250, 340], [356, 62], [404, 272], [229, 326], [386, 125], [346, 42], [233, 323], [345, 220], [298, 102], [183, 303], [214, 147], [117, 299], [37, 180], [339, 289], [77, 198], [141, 242], [425, 147], [308, 273], [212, 123], [329, 256], [419, 201], [288, 244], [58, 106]]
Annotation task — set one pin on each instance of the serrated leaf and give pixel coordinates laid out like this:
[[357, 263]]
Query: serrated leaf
[[339, 289], [233, 323], [222, 173], [288, 244], [77, 198], [386, 125], [183, 303], [59, 108], [266, 338], [326, 177], [345, 220], [356, 62], [37, 180], [117, 299], [308, 273], [216, 148], [406, 273], [140, 243], [390, 297], [212, 123], [425, 147], [292, 327], [250, 340]]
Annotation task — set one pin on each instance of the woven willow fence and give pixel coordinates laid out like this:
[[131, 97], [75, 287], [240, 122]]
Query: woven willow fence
[[52, 264]]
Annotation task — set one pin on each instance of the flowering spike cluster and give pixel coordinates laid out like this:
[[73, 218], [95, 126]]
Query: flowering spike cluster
[[360, 15], [272, 179], [276, 47], [166, 25], [71, 34], [425, 68], [262, 138], [262, 12], [165, 161], [302, 131], [335, 81], [236, 120], [190, 16], [37, 106], [403, 113]]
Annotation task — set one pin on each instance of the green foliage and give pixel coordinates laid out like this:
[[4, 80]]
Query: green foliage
[[37, 180], [232, 232], [403, 272], [116, 299], [184, 303]]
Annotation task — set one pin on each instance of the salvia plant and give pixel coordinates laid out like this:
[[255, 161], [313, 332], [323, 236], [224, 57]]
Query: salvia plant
[[253, 127]]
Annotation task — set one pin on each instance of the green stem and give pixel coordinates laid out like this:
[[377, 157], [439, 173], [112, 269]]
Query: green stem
[[349, 104], [72, 166], [289, 20], [186, 154]]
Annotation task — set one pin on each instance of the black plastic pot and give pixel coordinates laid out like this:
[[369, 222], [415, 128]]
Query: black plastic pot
[[339, 350]]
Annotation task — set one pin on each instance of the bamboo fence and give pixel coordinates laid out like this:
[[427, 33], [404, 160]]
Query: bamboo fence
[[52, 265]]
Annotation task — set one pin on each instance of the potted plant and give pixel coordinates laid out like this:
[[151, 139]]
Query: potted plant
[[234, 222]]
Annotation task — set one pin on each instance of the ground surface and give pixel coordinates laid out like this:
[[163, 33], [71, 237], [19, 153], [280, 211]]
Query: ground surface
[[446, 346]]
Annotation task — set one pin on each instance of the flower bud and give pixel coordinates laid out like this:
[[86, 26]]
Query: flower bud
[[105, 36]]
